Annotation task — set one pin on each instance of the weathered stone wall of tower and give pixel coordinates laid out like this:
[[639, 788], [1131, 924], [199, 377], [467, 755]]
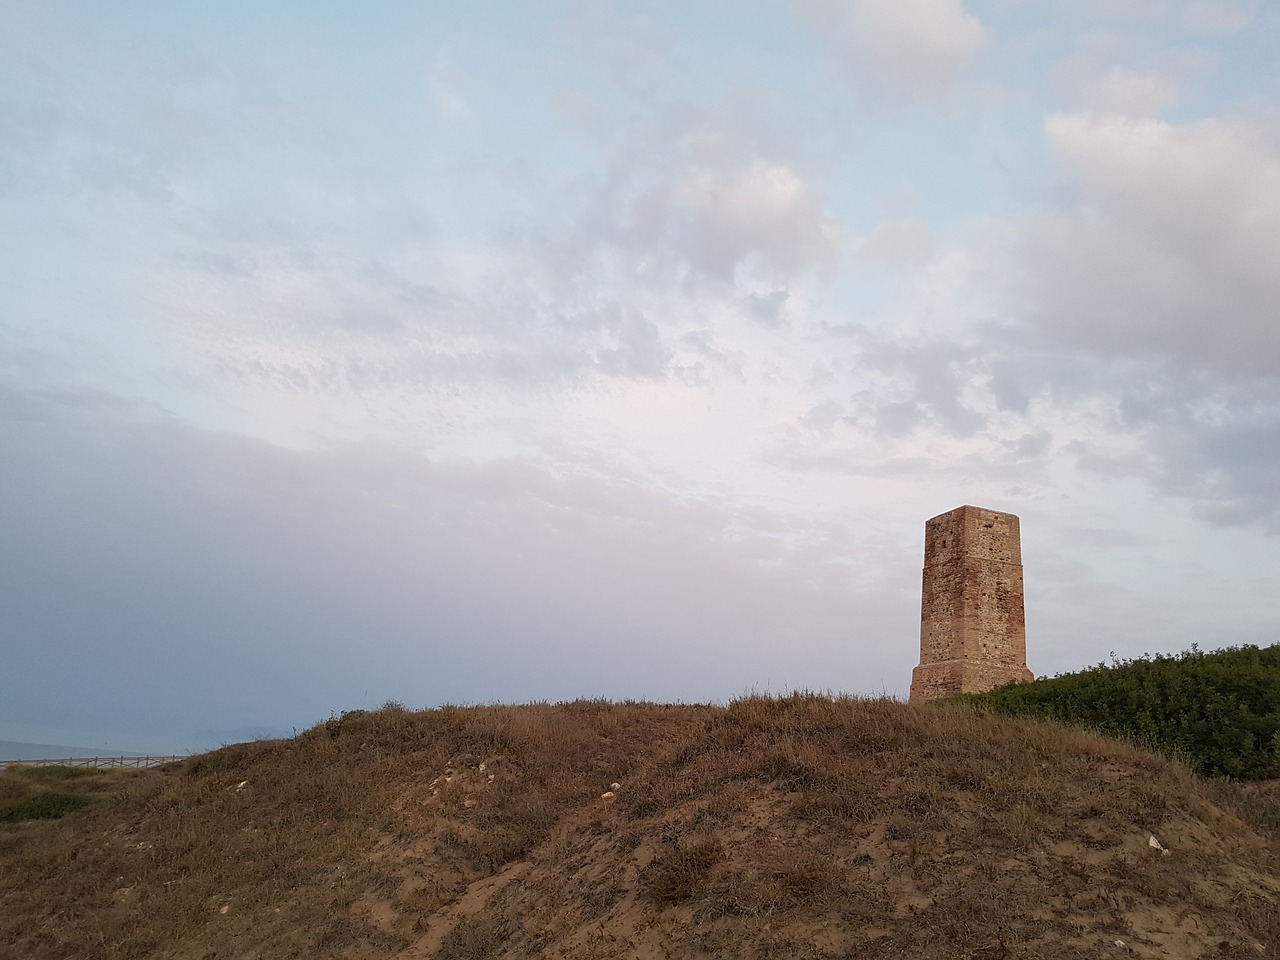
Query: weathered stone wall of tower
[[972, 631]]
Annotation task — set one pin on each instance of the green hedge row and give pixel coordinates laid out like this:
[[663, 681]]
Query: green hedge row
[[1219, 711]]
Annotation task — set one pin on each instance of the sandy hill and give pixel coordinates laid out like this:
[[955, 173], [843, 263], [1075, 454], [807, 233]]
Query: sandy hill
[[799, 827]]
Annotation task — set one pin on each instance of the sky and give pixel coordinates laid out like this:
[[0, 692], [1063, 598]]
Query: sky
[[495, 352]]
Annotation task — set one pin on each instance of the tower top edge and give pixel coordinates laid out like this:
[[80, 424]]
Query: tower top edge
[[969, 508]]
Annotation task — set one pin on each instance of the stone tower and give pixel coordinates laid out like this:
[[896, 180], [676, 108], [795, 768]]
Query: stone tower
[[972, 632]]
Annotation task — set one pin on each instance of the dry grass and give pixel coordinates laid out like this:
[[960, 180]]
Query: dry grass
[[802, 826], [49, 793]]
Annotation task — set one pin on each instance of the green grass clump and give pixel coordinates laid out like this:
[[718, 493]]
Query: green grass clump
[[1218, 711], [43, 806]]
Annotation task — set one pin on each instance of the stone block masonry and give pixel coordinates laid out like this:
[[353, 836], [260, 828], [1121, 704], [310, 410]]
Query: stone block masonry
[[972, 629]]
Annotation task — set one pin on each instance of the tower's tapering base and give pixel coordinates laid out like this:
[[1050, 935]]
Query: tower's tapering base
[[933, 681]]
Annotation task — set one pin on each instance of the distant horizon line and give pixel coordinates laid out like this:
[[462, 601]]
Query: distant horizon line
[[59, 751]]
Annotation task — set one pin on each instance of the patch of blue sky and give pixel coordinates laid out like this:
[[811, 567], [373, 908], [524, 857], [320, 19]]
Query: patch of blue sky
[[86, 315], [861, 296], [1244, 74], [731, 44], [925, 162]]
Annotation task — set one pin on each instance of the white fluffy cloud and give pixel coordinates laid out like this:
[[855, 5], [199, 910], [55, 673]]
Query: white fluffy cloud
[[897, 242], [917, 45], [762, 209], [1130, 93], [1156, 273], [1169, 247]]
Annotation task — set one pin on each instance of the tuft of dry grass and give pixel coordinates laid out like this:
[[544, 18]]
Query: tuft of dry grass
[[798, 826]]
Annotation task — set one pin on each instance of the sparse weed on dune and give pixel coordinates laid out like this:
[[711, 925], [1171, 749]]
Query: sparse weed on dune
[[43, 806], [57, 774], [50, 793]]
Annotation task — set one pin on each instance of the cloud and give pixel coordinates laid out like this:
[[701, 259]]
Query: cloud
[[1215, 444], [768, 307], [446, 84], [360, 571], [640, 351], [687, 199], [1122, 73], [1168, 247], [899, 47], [898, 242], [763, 209], [1225, 464], [937, 374], [1130, 93]]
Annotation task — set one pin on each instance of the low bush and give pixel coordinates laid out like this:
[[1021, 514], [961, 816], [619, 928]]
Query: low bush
[[1218, 711]]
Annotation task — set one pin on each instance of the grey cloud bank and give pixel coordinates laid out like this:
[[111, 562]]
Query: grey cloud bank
[[171, 578]]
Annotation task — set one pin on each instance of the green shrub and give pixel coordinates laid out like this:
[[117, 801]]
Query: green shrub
[[43, 806], [1218, 711]]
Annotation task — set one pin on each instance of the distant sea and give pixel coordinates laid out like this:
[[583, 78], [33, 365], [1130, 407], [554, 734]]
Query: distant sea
[[13, 750]]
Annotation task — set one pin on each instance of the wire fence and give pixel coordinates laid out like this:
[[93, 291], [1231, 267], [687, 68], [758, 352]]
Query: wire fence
[[137, 763]]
